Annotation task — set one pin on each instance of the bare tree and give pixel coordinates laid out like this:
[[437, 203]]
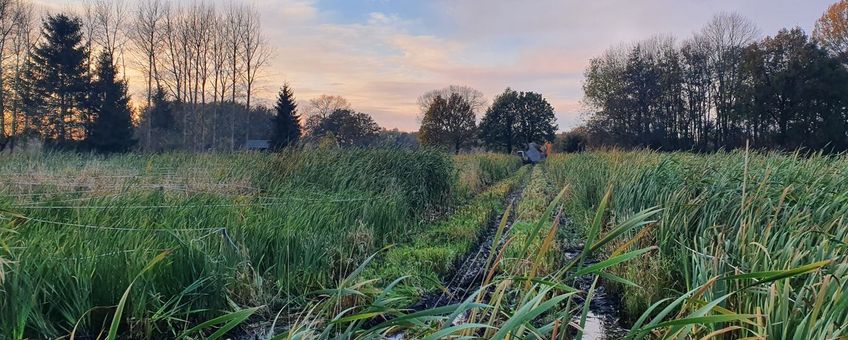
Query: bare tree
[[24, 36], [474, 97], [110, 19], [725, 38], [256, 54], [235, 26], [321, 107], [147, 36], [220, 72], [8, 24]]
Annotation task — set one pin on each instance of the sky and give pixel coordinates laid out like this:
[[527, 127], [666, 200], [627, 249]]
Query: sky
[[382, 54]]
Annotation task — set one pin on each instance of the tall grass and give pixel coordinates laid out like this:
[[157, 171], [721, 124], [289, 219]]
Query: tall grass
[[730, 221], [501, 306], [479, 171], [241, 230]]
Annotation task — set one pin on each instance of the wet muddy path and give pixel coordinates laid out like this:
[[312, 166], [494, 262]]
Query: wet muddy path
[[470, 269], [603, 321]]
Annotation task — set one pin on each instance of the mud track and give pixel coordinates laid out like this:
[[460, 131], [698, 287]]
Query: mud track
[[604, 318], [469, 270]]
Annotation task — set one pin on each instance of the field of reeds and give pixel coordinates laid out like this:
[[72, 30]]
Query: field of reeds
[[756, 239], [380, 243], [238, 231]]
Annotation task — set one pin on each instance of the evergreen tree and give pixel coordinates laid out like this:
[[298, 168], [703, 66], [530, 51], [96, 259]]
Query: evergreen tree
[[161, 114], [448, 122], [58, 81], [287, 129], [111, 128]]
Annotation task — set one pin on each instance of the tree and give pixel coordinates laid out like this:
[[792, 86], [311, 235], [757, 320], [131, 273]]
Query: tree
[[321, 107], [575, 140], [16, 36], [9, 23], [256, 54], [725, 37], [448, 122], [517, 118], [497, 128], [470, 95], [287, 130], [832, 30], [794, 95], [146, 35], [537, 122], [783, 92], [161, 111], [111, 128], [58, 81], [349, 128]]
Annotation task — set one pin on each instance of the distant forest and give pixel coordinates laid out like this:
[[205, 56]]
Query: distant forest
[[724, 88], [200, 64]]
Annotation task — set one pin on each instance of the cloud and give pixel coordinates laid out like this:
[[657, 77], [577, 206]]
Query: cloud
[[383, 54]]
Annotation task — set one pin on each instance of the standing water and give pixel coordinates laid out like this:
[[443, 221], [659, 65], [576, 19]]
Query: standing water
[[602, 320]]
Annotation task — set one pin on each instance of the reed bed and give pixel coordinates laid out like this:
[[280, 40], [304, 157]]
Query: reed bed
[[750, 245], [239, 230], [429, 258], [501, 305]]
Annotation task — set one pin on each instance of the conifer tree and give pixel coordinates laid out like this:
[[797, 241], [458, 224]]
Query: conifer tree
[[57, 77], [287, 129], [111, 128]]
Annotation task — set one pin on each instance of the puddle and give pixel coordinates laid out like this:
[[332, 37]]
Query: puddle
[[603, 319], [594, 327]]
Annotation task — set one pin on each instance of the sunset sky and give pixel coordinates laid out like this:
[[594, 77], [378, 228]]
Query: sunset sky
[[382, 54]]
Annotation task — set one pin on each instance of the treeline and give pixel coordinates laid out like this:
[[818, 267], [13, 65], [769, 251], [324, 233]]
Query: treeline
[[329, 120], [200, 62], [723, 88], [514, 119], [449, 121]]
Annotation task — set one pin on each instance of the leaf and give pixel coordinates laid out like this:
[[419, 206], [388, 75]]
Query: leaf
[[231, 320], [116, 319], [598, 267]]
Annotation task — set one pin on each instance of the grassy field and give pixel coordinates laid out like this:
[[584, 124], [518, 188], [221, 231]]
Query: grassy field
[[340, 243], [239, 230], [726, 216]]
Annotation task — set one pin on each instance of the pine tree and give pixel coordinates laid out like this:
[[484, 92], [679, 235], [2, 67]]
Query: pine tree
[[287, 129], [161, 114], [58, 81], [111, 128]]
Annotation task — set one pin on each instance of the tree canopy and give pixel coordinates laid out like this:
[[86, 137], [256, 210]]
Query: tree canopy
[[448, 122], [831, 30], [517, 118], [719, 90], [348, 128]]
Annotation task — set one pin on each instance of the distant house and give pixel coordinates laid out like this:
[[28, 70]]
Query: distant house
[[257, 144]]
